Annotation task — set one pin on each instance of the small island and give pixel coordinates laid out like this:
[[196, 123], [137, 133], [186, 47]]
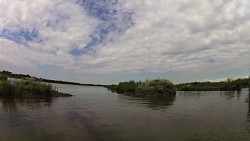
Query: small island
[[28, 89], [148, 88]]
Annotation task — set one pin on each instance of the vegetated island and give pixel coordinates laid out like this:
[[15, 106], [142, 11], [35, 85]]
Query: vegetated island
[[148, 88], [163, 87], [28, 89]]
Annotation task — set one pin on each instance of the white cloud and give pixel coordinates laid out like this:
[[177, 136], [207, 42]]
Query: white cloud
[[167, 35]]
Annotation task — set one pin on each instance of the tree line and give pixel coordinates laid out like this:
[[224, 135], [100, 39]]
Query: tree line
[[28, 77]]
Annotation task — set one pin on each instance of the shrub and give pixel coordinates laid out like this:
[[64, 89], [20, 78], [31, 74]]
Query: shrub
[[127, 87], [156, 86]]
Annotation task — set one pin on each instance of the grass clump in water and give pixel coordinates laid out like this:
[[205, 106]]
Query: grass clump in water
[[161, 87], [21, 88]]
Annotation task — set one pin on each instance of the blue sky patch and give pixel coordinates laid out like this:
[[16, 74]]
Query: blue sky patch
[[113, 20], [21, 36]]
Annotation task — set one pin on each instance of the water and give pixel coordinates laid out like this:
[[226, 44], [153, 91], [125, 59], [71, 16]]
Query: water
[[95, 114]]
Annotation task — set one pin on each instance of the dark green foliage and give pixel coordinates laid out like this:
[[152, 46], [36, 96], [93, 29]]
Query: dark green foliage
[[112, 88], [3, 77], [36, 87], [18, 88], [228, 85], [10, 74], [127, 87], [6, 72], [149, 87], [156, 86]]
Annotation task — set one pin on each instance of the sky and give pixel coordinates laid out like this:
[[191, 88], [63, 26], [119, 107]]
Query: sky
[[108, 41]]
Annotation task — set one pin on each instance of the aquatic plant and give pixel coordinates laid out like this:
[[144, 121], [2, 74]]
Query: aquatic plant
[[18, 88], [149, 87]]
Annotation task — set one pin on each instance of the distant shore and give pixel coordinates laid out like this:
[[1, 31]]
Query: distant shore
[[28, 89], [227, 85], [28, 77]]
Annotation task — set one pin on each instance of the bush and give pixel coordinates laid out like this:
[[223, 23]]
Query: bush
[[156, 86], [127, 87], [149, 87]]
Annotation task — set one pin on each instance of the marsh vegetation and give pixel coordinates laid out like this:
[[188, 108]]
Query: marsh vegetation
[[227, 85], [156, 87], [27, 89]]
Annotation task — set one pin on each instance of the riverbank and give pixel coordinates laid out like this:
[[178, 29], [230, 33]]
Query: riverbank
[[227, 85], [28, 89]]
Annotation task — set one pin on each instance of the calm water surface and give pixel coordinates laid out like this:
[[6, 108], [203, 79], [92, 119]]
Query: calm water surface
[[95, 114]]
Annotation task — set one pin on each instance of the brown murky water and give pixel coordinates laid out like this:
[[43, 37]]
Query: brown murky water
[[95, 114]]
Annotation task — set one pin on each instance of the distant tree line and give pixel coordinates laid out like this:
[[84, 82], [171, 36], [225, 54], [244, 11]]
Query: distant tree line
[[28, 77], [227, 85], [10, 74]]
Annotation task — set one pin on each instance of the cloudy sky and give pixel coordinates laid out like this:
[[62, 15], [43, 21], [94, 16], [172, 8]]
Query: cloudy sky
[[107, 41]]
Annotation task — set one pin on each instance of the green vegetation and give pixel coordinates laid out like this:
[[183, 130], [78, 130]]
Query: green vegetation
[[19, 88], [125, 87], [3, 77], [228, 85], [28, 77], [150, 86], [28, 89], [160, 87]]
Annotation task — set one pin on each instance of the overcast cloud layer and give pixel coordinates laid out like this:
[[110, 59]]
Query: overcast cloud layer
[[125, 36]]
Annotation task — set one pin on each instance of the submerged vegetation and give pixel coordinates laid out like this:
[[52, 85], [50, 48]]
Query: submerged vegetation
[[156, 87]]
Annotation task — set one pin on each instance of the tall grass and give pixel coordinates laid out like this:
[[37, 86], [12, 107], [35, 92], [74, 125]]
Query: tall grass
[[149, 87], [6, 89], [3, 77], [18, 88]]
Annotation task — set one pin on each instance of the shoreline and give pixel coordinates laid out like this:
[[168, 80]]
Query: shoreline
[[33, 94]]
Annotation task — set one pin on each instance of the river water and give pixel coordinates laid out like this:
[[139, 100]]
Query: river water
[[96, 114]]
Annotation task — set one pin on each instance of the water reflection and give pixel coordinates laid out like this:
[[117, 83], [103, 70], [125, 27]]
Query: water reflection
[[10, 105], [159, 102], [191, 94], [154, 103], [228, 94]]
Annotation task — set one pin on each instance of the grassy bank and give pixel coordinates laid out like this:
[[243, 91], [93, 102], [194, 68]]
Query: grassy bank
[[28, 89], [156, 87]]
